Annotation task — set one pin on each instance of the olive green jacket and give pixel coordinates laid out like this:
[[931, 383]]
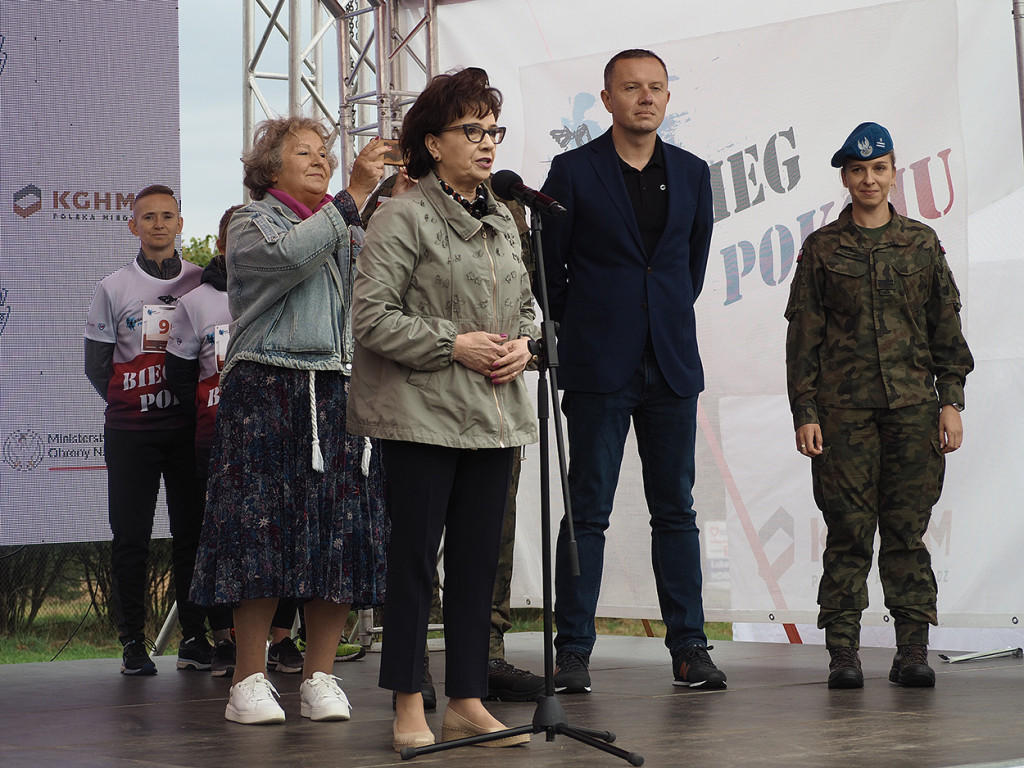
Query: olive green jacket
[[427, 272], [873, 325]]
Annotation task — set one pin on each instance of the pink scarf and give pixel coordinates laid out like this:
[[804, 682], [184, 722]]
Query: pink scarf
[[300, 209]]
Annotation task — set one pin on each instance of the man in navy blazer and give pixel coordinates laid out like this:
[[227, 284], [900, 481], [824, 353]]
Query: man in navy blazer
[[624, 268]]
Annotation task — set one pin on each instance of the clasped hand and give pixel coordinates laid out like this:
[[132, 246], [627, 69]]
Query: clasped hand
[[493, 355]]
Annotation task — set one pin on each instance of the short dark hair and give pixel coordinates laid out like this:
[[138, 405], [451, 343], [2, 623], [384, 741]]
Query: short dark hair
[[631, 53], [263, 161], [222, 228], [446, 98], [154, 189]]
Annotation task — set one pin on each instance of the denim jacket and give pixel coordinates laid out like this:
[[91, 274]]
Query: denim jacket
[[289, 287]]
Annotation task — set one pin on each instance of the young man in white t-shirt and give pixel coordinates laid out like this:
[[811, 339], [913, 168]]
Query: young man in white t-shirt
[[148, 432]]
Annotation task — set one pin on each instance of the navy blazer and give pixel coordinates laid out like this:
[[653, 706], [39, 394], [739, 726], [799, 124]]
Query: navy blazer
[[604, 290]]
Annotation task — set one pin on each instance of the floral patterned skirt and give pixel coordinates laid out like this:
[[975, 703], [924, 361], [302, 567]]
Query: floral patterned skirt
[[274, 526]]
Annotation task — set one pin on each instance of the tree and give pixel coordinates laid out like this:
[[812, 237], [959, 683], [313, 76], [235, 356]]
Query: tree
[[200, 251]]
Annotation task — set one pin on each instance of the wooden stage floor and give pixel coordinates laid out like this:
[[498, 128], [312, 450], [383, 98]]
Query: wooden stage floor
[[777, 711]]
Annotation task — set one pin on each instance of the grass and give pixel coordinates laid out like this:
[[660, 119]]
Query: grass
[[96, 639], [531, 620]]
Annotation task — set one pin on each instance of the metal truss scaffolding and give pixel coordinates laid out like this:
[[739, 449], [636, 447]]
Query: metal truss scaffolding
[[380, 69]]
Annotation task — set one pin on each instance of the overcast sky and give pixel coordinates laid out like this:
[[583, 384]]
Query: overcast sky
[[210, 40]]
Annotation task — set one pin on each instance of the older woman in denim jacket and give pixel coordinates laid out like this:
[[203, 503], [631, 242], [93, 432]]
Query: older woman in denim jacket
[[295, 506]]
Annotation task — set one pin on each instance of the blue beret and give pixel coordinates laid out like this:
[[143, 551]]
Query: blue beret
[[868, 140]]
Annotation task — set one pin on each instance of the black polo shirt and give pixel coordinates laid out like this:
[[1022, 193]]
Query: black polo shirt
[[648, 192]]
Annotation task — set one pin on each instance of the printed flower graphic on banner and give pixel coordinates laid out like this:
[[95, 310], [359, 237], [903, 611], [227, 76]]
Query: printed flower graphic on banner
[[577, 130]]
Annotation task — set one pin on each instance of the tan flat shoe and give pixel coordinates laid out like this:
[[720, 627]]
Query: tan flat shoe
[[457, 727], [401, 740]]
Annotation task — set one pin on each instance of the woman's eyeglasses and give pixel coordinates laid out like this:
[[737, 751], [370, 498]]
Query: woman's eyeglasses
[[476, 134]]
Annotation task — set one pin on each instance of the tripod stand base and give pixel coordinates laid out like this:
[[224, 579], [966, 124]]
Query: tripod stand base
[[549, 719]]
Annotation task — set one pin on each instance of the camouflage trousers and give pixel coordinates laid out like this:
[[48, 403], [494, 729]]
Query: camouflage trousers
[[501, 621], [881, 469]]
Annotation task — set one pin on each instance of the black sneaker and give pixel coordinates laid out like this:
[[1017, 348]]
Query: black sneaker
[[284, 657], [195, 653], [506, 683], [572, 672], [844, 668], [910, 667], [693, 668], [223, 662], [135, 660], [426, 690]]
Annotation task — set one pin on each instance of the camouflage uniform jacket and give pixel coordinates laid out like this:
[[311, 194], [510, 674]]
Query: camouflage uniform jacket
[[873, 325]]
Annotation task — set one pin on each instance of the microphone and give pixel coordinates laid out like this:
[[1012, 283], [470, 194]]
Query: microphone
[[509, 185]]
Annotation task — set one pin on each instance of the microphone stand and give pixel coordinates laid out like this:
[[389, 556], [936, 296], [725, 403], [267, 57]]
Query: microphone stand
[[549, 717]]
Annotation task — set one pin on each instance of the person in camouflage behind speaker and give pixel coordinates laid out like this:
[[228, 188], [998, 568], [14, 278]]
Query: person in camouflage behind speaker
[[876, 363]]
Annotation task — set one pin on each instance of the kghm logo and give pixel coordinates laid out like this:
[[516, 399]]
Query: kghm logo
[[75, 205], [23, 450], [28, 200]]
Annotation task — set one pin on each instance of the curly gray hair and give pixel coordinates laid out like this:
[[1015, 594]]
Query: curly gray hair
[[262, 163]]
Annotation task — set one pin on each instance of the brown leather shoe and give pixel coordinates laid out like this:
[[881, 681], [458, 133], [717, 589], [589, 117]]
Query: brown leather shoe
[[844, 670], [910, 667]]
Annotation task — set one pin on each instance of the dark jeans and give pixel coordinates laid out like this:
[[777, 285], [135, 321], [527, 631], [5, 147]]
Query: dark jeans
[[665, 426], [135, 463], [462, 492]]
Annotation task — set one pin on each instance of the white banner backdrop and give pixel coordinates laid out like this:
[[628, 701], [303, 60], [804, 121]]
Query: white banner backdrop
[[767, 107], [764, 91], [88, 116]]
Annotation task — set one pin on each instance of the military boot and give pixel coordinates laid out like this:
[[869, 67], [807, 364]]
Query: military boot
[[844, 670], [910, 667]]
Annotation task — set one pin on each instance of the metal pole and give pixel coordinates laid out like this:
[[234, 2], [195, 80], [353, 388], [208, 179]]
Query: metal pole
[[247, 96], [385, 82], [163, 639], [294, 57], [346, 118], [1018, 29], [433, 55], [316, 56]]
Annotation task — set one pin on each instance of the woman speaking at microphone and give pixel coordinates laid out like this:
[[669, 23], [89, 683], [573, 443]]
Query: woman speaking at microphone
[[442, 314]]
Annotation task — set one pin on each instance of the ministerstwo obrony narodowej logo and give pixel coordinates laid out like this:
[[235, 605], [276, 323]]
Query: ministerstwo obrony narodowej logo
[[23, 450]]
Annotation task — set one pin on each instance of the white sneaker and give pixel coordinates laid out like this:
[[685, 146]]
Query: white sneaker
[[252, 702], [322, 698]]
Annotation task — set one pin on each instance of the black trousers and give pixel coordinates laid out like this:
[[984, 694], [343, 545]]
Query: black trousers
[[135, 463], [463, 492]]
